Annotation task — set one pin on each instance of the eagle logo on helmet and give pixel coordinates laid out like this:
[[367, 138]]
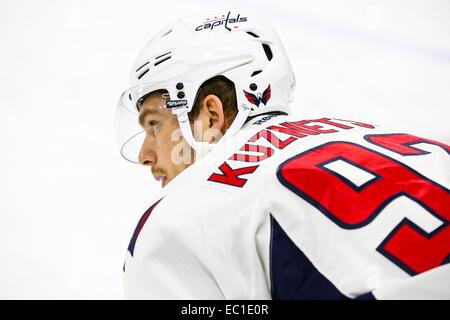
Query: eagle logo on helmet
[[258, 98]]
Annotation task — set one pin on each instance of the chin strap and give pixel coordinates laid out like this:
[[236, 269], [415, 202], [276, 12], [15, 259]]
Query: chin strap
[[203, 148]]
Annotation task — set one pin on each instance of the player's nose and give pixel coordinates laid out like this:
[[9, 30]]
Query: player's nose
[[147, 156]]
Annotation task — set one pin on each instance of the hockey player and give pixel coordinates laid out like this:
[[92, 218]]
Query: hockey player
[[257, 204]]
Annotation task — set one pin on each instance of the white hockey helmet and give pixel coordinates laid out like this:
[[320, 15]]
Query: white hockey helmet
[[233, 43]]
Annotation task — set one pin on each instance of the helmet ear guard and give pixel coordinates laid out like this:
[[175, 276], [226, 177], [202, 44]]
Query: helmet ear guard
[[182, 56]]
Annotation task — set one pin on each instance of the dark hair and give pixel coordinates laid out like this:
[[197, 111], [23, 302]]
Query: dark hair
[[221, 87]]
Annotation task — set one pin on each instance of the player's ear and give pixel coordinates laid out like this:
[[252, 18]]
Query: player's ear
[[211, 112]]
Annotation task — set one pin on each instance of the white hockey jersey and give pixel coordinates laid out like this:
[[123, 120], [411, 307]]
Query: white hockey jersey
[[300, 209]]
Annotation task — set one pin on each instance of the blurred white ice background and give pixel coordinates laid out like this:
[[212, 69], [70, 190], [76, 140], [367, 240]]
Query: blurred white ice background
[[69, 203]]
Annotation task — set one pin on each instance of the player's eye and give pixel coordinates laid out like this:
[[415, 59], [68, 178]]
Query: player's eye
[[152, 125]]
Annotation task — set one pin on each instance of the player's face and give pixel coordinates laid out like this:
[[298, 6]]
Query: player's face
[[163, 145]]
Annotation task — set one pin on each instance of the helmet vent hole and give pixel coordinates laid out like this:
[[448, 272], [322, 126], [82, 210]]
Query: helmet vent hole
[[142, 66], [161, 61], [268, 52], [163, 55], [165, 34], [255, 73], [143, 73], [252, 34]]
